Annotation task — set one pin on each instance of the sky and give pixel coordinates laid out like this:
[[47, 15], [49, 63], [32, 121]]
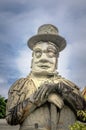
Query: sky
[[20, 19]]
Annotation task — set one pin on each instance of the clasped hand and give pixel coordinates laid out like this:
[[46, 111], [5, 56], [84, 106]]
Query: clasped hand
[[44, 90], [51, 92]]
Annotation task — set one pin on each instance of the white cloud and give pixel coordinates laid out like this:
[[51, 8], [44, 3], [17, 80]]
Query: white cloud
[[2, 80], [23, 62], [63, 63], [68, 16], [78, 63], [4, 91], [3, 87]]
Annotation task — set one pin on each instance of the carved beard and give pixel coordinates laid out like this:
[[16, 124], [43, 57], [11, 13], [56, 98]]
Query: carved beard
[[44, 72]]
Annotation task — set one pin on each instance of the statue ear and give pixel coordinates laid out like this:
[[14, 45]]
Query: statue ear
[[56, 65], [32, 54], [32, 59], [31, 63]]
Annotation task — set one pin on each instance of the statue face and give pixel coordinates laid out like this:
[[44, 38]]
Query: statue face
[[44, 58]]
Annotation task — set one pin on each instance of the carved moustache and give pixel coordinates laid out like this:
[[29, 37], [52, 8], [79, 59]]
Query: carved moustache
[[43, 61]]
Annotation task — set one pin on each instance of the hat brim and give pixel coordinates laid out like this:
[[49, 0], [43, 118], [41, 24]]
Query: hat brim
[[56, 39]]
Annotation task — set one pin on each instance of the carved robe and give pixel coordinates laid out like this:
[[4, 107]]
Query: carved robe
[[45, 116]]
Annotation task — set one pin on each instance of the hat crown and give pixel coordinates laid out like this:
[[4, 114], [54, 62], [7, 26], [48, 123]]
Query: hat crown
[[48, 32], [48, 29]]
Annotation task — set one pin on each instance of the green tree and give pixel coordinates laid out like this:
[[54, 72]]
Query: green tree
[[78, 126], [2, 107]]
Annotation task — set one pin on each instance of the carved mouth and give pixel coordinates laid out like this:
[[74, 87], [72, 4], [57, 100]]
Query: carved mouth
[[43, 66]]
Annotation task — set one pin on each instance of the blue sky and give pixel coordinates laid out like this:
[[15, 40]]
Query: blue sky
[[19, 20]]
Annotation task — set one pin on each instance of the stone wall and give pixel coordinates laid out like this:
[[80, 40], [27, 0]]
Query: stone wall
[[5, 126]]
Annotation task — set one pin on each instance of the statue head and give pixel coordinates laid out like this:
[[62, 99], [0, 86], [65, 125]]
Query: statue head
[[46, 46]]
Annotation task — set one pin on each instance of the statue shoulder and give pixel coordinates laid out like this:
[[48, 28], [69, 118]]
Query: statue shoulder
[[21, 84], [69, 83], [20, 91], [75, 88], [17, 85]]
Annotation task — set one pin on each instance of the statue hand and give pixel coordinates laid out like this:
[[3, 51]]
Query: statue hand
[[75, 100], [56, 99], [45, 89]]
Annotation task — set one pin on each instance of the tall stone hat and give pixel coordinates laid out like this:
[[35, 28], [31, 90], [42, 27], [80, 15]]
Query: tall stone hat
[[47, 32]]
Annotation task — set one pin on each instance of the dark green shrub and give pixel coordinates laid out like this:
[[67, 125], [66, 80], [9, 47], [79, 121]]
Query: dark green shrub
[[2, 107]]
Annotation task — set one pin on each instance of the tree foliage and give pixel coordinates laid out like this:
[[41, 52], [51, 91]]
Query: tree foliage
[[2, 107], [78, 126]]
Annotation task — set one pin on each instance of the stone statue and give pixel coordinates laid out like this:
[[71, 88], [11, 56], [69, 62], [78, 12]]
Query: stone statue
[[44, 100]]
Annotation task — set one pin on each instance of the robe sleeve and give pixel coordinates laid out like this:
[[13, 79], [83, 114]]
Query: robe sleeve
[[18, 96]]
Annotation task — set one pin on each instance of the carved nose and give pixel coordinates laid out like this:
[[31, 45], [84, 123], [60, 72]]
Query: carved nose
[[44, 60]]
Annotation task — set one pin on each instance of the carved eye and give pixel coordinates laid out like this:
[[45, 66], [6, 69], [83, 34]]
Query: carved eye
[[51, 53], [38, 53]]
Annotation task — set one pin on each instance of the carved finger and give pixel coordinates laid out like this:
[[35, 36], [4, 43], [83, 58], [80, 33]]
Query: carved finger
[[56, 99], [43, 95], [49, 90], [37, 93]]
